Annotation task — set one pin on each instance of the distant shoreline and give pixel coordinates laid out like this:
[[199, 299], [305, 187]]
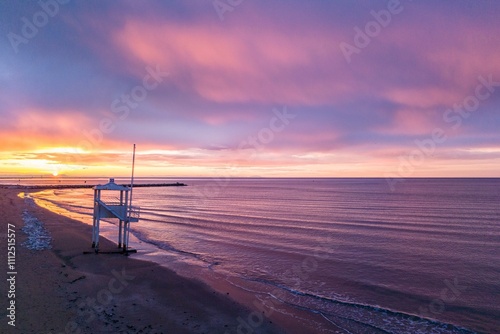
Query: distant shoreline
[[87, 186]]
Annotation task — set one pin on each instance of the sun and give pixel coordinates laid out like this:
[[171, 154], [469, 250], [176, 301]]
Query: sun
[[55, 173]]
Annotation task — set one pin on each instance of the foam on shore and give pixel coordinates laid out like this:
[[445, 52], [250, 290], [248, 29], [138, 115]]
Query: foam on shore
[[38, 236]]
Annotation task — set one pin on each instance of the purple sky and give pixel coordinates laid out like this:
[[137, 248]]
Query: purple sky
[[268, 88]]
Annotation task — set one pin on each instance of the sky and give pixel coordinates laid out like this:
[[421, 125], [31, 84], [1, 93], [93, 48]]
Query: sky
[[250, 88]]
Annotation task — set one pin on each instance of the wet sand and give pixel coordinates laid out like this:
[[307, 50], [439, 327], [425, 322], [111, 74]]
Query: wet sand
[[62, 290]]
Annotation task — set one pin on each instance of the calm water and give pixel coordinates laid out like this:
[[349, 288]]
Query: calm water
[[422, 259]]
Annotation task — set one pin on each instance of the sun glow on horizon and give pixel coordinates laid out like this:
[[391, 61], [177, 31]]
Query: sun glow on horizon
[[62, 150], [53, 161]]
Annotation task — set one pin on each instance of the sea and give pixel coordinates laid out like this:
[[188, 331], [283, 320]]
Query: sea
[[420, 257]]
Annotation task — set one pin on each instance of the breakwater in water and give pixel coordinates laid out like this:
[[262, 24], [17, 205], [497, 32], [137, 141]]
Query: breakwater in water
[[84, 186]]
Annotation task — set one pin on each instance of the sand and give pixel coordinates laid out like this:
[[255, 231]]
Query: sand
[[63, 290]]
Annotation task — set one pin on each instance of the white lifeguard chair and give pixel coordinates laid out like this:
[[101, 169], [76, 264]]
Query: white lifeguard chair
[[108, 205]]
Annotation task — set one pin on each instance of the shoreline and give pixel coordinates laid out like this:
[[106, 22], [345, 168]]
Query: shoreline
[[62, 290], [155, 300]]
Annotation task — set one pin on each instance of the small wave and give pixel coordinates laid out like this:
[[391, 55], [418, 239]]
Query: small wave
[[164, 246], [381, 319]]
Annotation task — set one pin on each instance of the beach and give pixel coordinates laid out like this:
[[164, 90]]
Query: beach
[[61, 290], [261, 256]]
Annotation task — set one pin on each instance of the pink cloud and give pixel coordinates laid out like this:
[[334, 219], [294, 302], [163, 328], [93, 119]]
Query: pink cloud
[[410, 122], [423, 97], [457, 50], [238, 65]]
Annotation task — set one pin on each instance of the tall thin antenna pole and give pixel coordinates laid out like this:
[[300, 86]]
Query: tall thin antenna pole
[[132, 181]]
